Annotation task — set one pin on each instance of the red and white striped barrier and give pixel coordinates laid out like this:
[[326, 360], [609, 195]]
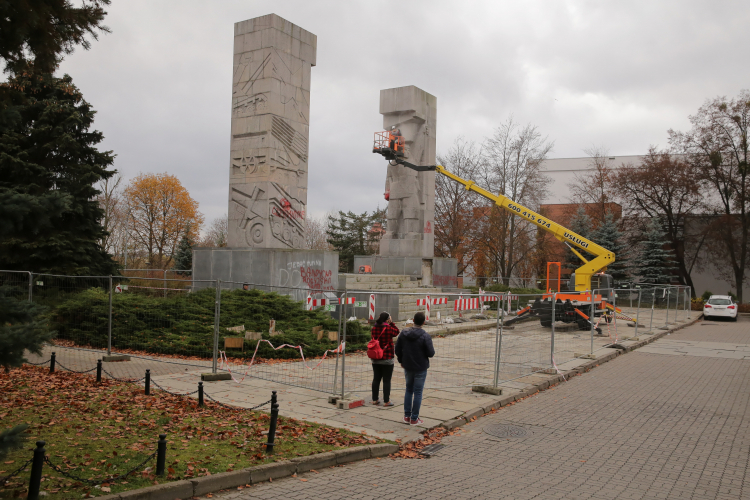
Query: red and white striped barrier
[[466, 304], [321, 302], [372, 306], [434, 302], [427, 302], [311, 302]]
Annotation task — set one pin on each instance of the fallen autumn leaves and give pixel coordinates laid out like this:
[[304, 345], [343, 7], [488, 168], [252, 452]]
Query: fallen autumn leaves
[[99, 431]]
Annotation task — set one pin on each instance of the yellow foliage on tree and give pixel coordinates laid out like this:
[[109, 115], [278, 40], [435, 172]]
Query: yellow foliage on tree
[[160, 210]]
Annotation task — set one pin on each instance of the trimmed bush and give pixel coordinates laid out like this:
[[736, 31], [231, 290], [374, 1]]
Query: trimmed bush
[[184, 324]]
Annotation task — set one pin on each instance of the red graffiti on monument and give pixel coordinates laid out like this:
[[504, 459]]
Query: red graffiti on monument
[[317, 279]]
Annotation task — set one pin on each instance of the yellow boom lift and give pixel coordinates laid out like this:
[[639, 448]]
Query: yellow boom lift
[[590, 276]]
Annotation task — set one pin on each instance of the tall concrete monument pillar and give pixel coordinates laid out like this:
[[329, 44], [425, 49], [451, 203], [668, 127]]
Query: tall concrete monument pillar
[[411, 205], [270, 128]]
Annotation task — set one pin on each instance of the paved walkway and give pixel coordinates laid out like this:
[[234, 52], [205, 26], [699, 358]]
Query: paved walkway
[[650, 424], [463, 359]]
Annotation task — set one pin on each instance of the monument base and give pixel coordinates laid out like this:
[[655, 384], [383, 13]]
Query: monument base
[[279, 270], [435, 271]]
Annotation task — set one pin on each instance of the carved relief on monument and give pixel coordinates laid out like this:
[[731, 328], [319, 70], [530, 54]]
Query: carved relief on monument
[[273, 213], [270, 127], [248, 212], [267, 80]]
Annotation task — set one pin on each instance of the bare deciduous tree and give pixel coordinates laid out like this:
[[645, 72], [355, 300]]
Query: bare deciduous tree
[[717, 145], [595, 185], [455, 217], [664, 187], [216, 233], [115, 214], [512, 165], [315, 233]]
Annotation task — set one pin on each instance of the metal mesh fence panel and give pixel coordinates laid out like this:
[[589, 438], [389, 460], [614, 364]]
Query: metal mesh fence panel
[[526, 344], [296, 336], [78, 311], [279, 337], [462, 358], [16, 284], [173, 319]]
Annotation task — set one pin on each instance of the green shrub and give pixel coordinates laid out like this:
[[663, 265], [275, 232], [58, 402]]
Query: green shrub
[[706, 295], [184, 325]]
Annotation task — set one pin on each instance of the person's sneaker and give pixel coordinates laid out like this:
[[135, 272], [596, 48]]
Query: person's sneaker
[[407, 420], [416, 422]]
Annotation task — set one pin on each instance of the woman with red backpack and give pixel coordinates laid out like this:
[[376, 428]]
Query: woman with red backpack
[[380, 350]]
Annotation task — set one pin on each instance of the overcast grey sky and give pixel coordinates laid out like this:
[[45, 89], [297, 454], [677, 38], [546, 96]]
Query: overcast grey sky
[[617, 74]]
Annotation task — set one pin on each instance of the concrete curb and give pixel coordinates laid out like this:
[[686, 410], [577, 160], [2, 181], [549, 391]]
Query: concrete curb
[[554, 380], [189, 488]]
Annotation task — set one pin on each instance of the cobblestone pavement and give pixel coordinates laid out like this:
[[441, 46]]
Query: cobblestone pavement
[[645, 425]]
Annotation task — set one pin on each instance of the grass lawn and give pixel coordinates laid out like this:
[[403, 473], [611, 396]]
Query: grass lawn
[[98, 431]]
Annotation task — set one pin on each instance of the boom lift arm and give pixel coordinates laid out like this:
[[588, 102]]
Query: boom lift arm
[[389, 148]]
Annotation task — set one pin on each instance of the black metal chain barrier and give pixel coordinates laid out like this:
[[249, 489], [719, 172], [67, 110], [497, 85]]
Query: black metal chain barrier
[[173, 393], [98, 481], [74, 371], [151, 381], [262, 404], [234, 407], [38, 364], [16, 472], [130, 380]]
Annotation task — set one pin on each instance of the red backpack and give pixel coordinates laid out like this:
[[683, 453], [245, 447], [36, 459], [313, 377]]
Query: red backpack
[[374, 351]]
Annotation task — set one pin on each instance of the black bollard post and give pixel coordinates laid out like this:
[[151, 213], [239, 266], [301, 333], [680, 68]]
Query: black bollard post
[[99, 370], [35, 480], [200, 393], [161, 455], [148, 382], [272, 427], [52, 363]]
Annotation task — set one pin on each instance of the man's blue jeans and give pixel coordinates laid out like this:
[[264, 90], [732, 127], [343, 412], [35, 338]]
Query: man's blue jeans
[[413, 396]]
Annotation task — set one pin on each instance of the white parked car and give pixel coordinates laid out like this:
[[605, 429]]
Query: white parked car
[[720, 306]]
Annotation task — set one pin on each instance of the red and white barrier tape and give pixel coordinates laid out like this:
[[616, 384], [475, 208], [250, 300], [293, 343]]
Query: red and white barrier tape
[[558, 370], [372, 306], [225, 362]]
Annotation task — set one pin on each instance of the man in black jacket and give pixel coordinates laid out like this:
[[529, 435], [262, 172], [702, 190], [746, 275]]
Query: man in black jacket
[[414, 350]]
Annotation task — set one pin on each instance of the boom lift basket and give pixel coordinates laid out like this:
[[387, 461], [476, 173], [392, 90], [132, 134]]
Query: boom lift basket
[[389, 145]]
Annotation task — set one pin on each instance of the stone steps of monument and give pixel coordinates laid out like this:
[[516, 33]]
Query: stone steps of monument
[[392, 282], [378, 278], [422, 292], [386, 287]]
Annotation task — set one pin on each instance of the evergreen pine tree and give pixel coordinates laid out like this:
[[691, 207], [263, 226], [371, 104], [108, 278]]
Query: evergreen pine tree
[[349, 235], [580, 224], [183, 258], [49, 163], [12, 438], [608, 236], [654, 264], [21, 327]]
